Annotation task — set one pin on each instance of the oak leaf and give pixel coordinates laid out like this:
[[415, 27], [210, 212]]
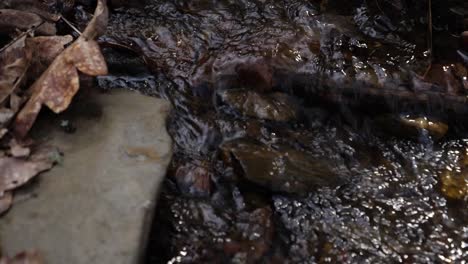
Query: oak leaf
[[33, 6], [12, 20], [44, 49], [15, 172], [60, 82], [14, 62]]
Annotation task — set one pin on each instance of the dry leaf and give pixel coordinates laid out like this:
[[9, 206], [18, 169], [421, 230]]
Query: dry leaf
[[45, 50], [3, 132], [26, 257], [55, 88], [14, 62], [32, 6], [97, 26], [60, 82], [5, 116], [15, 172], [12, 20], [18, 150], [15, 102]]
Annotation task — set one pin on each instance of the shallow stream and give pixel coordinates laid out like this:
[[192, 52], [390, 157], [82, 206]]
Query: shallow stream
[[304, 131]]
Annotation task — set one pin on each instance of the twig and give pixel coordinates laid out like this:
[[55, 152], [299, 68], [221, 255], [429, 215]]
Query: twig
[[70, 25], [29, 31]]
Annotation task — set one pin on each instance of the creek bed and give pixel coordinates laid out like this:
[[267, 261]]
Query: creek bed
[[304, 131]]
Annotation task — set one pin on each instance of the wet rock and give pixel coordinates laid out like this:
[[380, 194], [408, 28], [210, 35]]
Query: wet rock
[[258, 76], [451, 77], [409, 127], [256, 235], [214, 44], [253, 73], [193, 180], [435, 128], [464, 40], [274, 107], [232, 129], [196, 231], [283, 169], [387, 212], [455, 185], [454, 179]]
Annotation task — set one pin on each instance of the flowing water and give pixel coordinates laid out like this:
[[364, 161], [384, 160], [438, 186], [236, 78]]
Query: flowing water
[[304, 131]]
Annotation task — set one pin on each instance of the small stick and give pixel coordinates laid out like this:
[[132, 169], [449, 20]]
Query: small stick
[[70, 25], [29, 31]]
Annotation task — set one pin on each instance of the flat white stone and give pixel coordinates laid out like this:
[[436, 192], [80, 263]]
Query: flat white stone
[[97, 206]]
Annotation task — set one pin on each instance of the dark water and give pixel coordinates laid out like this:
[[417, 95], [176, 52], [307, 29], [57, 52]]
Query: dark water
[[304, 131]]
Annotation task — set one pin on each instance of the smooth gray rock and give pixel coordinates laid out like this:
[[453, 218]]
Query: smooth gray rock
[[95, 207]]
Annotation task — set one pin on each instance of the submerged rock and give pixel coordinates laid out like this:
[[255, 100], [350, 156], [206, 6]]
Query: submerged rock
[[284, 169], [406, 126], [274, 106], [435, 128], [193, 180], [454, 179], [256, 230], [455, 185], [464, 40]]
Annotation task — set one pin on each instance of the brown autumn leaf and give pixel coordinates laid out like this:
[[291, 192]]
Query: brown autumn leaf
[[19, 150], [44, 49], [5, 202], [5, 116], [16, 102], [14, 62], [47, 48], [26, 257], [12, 20], [3, 132], [15, 172], [97, 26], [60, 82], [33, 6]]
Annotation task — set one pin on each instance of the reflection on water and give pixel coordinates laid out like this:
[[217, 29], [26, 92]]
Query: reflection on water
[[305, 131]]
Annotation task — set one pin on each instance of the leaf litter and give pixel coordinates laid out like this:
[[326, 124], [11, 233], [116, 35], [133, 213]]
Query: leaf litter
[[38, 67]]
